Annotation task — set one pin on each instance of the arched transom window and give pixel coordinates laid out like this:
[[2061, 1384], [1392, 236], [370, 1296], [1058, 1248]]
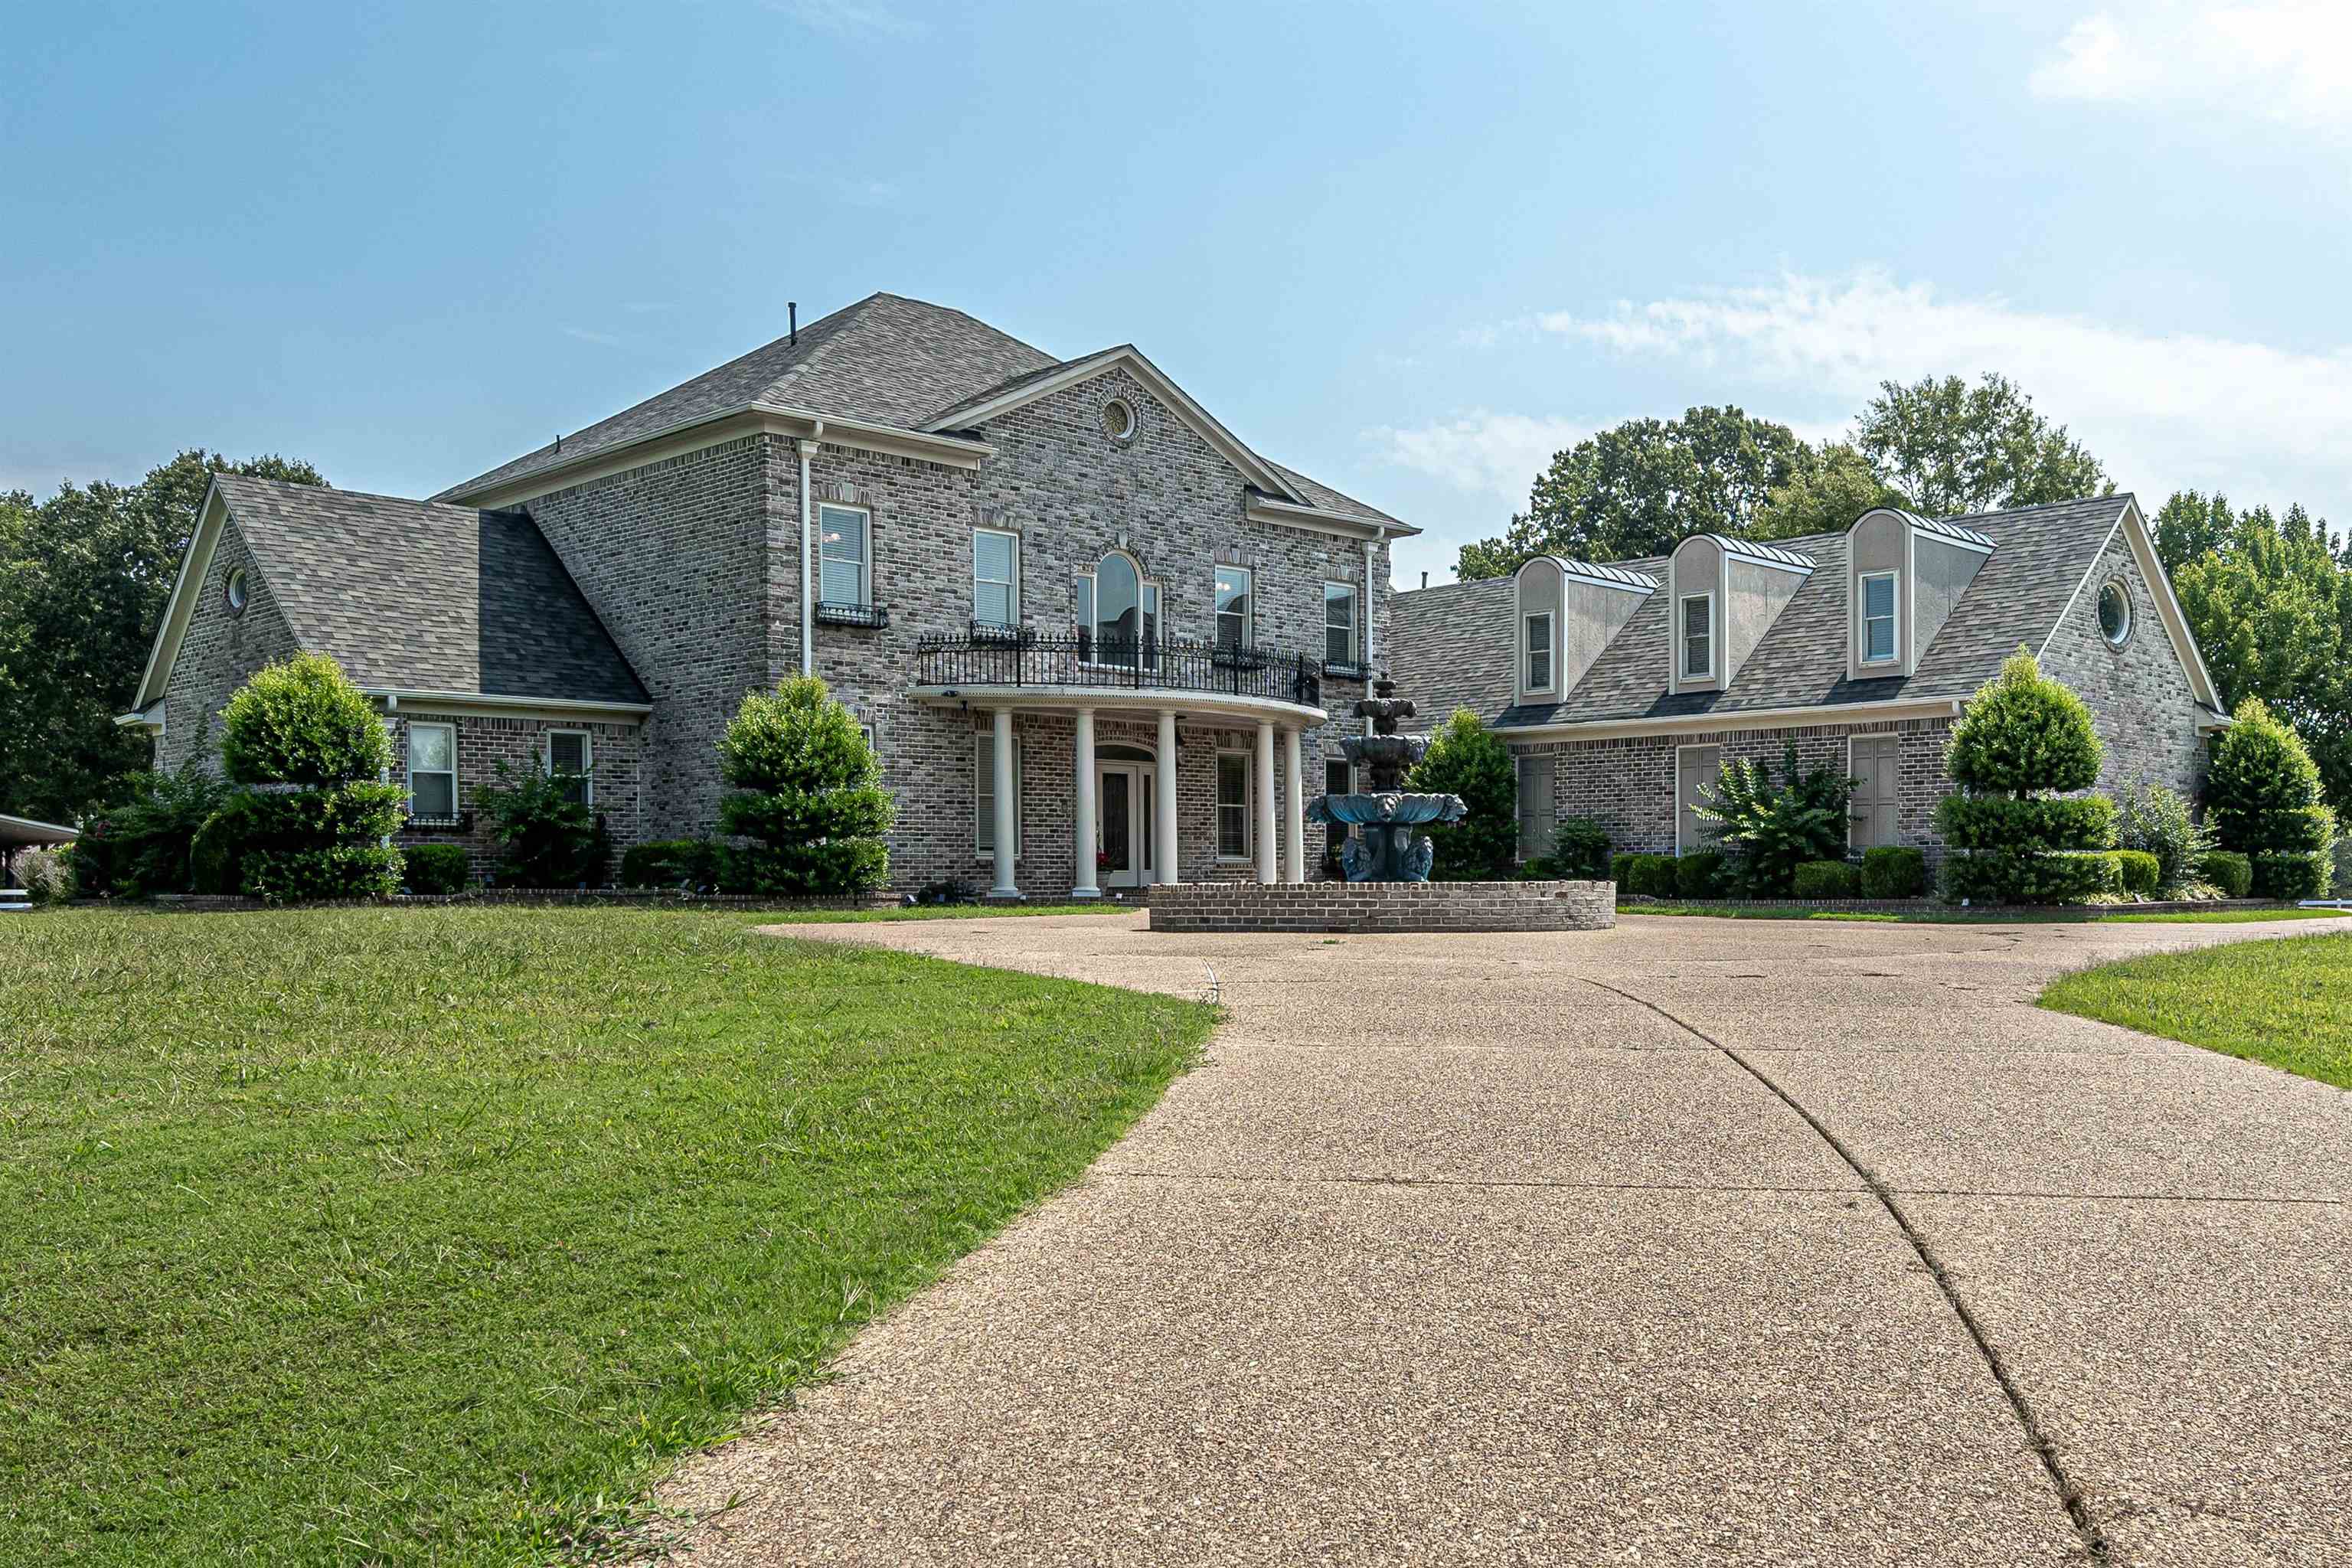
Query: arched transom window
[[1118, 614]]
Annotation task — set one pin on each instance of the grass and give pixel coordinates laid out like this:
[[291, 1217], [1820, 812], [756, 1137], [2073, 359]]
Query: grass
[[2287, 1002], [422, 1235], [1941, 915]]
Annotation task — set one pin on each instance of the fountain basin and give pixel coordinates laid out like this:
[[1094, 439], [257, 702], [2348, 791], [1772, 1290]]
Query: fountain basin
[[1380, 907]]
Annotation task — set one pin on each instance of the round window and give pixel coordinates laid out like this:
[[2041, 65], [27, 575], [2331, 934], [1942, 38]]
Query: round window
[[2115, 613], [1118, 419], [236, 591]]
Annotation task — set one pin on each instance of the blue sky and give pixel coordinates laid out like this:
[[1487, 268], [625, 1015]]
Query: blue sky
[[1409, 249]]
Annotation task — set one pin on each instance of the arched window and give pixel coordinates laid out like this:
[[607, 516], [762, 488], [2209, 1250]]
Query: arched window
[[1119, 614]]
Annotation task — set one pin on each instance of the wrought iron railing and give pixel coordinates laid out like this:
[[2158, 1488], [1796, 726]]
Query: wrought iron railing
[[834, 613], [991, 658]]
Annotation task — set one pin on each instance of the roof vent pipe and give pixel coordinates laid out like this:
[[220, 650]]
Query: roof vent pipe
[[792, 316]]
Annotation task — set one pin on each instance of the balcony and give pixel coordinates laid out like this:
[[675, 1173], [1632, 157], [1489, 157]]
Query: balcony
[[990, 657]]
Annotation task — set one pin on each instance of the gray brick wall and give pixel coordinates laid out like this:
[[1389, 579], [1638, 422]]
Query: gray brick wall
[[484, 742], [1386, 907], [2140, 694], [220, 652]]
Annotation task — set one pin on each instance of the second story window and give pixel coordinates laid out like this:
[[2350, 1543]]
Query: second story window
[[995, 578], [570, 759], [1234, 607], [1698, 636], [432, 773], [1878, 645], [844, 555], [1538, 642], [1119, 614], [1341, 642]]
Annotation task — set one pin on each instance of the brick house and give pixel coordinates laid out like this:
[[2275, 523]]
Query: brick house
[[1081, 620], [1622, 687]]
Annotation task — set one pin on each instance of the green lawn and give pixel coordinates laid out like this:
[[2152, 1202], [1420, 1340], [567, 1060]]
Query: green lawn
[[420, 1236], [1939, 914], [2287, 1002]]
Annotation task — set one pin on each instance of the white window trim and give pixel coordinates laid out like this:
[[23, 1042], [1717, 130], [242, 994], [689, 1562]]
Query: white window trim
[[1526, 660], [864, 569], [1675, 800], [456, 807], [587, 759], [1683, 672], [1249, 606], [1146, 588], [985, 740], [1014, 584], [1862, 625], [1249, 807], [1355, 621], [2131, 615]]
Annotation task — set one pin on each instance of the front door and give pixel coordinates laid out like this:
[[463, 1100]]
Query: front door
[[1695, 767], [1872, 808], [1123, 821]]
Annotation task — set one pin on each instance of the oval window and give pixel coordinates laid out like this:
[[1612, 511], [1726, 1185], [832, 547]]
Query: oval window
[[236, 592], [1118, 419], [2115, 613]]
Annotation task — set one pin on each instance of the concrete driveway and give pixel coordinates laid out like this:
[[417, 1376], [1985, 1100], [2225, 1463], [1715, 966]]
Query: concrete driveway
[[1693, 1242]]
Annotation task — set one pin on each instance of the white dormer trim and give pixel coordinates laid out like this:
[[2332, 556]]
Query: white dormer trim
[[1550, 687], [1683, 672], [1861, 619]]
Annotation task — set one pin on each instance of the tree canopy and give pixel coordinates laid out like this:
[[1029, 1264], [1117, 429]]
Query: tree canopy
[[84, 577], [1953, 448]]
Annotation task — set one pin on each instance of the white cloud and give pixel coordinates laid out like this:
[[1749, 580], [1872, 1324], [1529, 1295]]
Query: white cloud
[[1486, 454], [2288, 62], [602, 340]]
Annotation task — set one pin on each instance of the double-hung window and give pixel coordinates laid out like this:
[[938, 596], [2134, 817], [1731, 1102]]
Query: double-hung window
[[983, 773], [1233, 590], [1538, 643], [1336, 779], [996, 579], [432, 773], [845, 555], [1340, 641], [1232, 805], [1878, 640], [1698, 636], [570, 763]]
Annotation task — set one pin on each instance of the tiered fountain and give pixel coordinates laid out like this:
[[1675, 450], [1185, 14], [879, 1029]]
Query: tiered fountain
[[1381, 845], [1387, 860]]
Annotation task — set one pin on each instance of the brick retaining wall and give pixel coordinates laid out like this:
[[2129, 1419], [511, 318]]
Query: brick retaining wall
[[1383, 906]]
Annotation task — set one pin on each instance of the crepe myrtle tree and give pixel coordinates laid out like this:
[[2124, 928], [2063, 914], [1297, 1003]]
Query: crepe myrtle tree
[[807, 793]]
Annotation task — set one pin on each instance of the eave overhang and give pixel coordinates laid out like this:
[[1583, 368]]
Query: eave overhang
[[1736, 718]]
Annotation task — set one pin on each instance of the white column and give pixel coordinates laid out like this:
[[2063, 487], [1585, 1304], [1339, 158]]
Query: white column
[[1266, 872], [1082, 870], [1008, 803], [1294, 812], [1163, 804]]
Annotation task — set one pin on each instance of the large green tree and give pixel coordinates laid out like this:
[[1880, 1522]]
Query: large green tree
[[1953, 448], [2269, 598], [1635, 488], [84, 576]]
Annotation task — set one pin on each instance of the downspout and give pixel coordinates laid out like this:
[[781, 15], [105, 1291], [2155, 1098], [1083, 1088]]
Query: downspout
[[1371, 608], [807, 449]]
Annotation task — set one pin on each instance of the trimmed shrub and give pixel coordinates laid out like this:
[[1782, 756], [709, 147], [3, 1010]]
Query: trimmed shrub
[[1579, 850], [2024, 731], [302, 722], [1699, 874], [46, 875], [143, 846], [216, 854], [2033, 876], [2142, 872], [335, 871], [2261, 785], [807, 792], [1775, 828], [1467, 759], [1892, 872], [1826, 880], [546, 838], [2227, 869], [1652, 876], [436, 868], [2293, 874], [673, 863], [2157, 820], [2013, 822]]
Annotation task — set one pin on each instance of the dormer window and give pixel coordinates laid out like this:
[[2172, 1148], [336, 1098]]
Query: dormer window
[[1698, 636], [1879, 643], [1539, 654]]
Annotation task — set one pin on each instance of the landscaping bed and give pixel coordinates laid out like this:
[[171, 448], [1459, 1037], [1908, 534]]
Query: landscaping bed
[[407, 1236]]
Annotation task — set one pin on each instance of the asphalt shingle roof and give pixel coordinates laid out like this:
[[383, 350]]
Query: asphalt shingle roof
[[421, 596], [2040, 555]]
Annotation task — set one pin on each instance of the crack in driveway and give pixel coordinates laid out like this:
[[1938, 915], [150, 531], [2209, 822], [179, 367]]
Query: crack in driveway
[[2070, 1495]]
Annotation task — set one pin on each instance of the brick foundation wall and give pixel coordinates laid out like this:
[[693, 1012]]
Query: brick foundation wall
[[1364, 907]]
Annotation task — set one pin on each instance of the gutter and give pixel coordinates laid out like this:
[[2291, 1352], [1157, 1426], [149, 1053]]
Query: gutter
[[1739, 718], [392, 697], [806, 446]]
